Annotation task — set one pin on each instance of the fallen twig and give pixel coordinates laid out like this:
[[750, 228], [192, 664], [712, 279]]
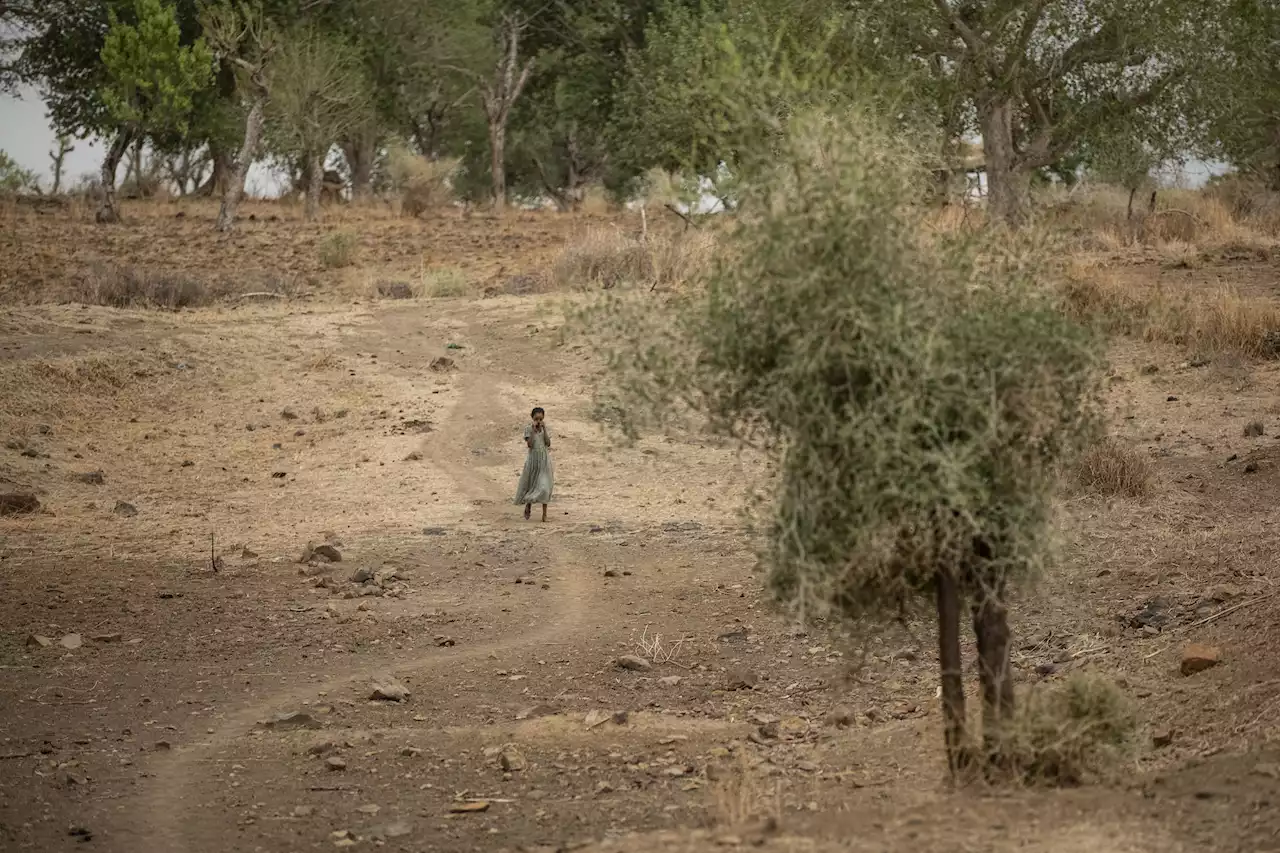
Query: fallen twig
[[16, 755]]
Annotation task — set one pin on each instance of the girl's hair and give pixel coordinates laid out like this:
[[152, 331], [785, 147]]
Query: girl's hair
[[538, 410]]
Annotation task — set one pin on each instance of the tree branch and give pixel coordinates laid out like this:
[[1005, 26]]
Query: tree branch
[[971, 39]]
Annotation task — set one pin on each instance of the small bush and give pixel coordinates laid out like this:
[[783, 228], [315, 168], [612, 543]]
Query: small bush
[[418, 183], [126, 287], [606, 258], [1069, 733], [339, 250], [1112, 468], [444, 283]]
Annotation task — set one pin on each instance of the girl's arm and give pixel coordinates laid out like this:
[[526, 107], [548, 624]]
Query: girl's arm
[[546, 436], [528, 437]]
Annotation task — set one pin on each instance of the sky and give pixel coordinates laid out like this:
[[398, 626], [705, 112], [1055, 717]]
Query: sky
[[26, 136]]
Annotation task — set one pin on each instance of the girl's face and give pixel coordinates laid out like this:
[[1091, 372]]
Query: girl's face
[[537, 418]]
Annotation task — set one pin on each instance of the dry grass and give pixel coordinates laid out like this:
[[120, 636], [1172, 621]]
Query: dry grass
[[606, 258], [339, 250], [129, 287], [50, 391], [420, 184], [1219, 321], [1112, 468], [741, 796], [1070, 732], [444, 283]]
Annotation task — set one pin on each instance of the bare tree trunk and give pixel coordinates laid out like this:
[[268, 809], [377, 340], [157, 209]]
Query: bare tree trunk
[[499, 96], [951, 667], [59, 158], [360, 151], [315, 183], [991, 627], [1132, 192], [498, 164], [109, 211], [1008, 185], [223, 161], [234, 189]]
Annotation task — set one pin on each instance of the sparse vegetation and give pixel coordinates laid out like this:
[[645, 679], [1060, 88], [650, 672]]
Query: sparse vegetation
[[339, 249], [131, 287], [605, 258], [445, 283], [1112, 468]]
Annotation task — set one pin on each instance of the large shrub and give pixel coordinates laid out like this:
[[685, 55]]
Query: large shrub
[[917, 393]]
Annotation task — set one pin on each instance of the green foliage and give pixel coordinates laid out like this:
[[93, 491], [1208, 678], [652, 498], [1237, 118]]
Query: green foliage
[[1243, 101], [319, 91], [152, 78], [15, 179], [917, 394]]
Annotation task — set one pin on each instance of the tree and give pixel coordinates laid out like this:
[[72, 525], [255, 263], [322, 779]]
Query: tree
[[319, 93], [245, 41], [1244, 102], [500, 93], [1038, 76], [916, 396], [58, 158], [14, 179], [151, 78]]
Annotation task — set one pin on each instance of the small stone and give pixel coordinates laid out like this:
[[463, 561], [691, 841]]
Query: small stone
[[39, 641], [543, 710], [634, 663], [469, 808], [511, 760], [163, 746], [670, 680], [841, 718], [610, 573], [603, 787], [741, 679], [327, 552], [92, 478], [1251, 467], [444, 641], [1162, 738], [246, 554], [323, 747], [107, 638], [807, 766], [18, 504], [304, 811], [595, 718], [387, 689], [291, 722], [370, 809], [288, 415], [71, 641], [1044, 670], [125, 509], [1197, 658], [620, 718], [395, 829], [335, 762], [1254, 429], [362, 576], [410, 752], [443, 364]]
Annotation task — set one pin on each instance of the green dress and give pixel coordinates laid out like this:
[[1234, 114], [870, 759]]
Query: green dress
[[537, 480]]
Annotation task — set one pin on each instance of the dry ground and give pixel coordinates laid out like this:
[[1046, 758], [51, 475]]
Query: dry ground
[[252, 428]]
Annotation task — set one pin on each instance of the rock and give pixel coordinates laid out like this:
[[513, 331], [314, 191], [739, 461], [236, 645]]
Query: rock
[[1044, 670], [383, 577], [246, 554], [841, 718], [71, 641], [344, 838], [595, 718], [291, 721], [125, 509], [369, 809], [1198, 658], [304, 811], [288, 414], [603, 787], [620, 718], [469, 807], [1254, 429], [1162, 738], [1251, 467], [92, 478], [362, 576], [670, 680], [80, 833], [387, 689], [163, 746], [434, 531], [321, 747], [327, 552], [511, 760], [39, 641], [410, 752], [395, 829], [741, 679], [610, 573], [1154, 614], [444, 642], [107, 638], [395, 290], [1221, 592], [634, 663], [18, 503], [536, 711], [443, 364], [335, 762]]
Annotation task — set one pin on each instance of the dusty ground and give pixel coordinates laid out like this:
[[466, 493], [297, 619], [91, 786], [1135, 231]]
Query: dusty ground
[[254, 429]]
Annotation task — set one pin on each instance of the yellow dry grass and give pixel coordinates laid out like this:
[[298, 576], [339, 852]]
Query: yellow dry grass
[[1115, 469]]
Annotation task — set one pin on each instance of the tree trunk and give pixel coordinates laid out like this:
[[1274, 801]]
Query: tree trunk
[[991, 627], [234, 189], [223, 163], [1133, 192], [498, 161], [315, 183], [109, 211], [360, 152], [951, 667], [1008, 185]]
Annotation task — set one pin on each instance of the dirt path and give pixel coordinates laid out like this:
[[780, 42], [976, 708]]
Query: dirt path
[[746, 731]]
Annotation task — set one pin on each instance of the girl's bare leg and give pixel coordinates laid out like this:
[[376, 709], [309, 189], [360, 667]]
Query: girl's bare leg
[[528, 510], [544, 512]]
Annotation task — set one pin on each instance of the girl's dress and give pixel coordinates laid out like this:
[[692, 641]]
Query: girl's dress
[[538, 478]]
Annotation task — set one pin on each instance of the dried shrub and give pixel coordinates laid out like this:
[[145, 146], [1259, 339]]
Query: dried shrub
[[1112, 468], [445, 282], [339, 250], [606, 258], [420, 184], [1071, 732], [130, 287]]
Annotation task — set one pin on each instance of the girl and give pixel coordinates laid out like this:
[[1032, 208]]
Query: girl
[[538, 477]]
